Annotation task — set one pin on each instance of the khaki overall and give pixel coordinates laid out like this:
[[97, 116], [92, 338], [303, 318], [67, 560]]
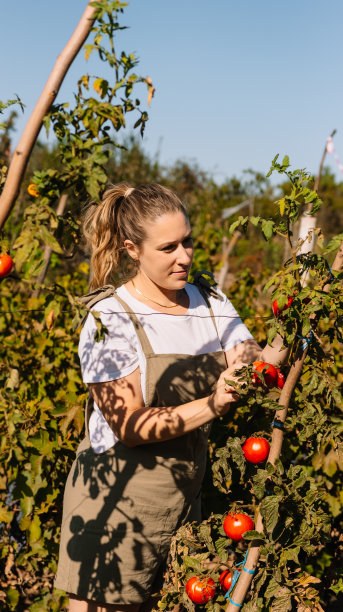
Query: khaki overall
[[122, 507]]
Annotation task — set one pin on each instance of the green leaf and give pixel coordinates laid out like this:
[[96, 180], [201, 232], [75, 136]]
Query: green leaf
[[270, 511], [333, 244], [268, 228], [337, 587], [272, 588], [253, 535], [289, 554], [50, 240], [26, 505], [35, 529], [283, 602], [12, 596], [6, 515], [193, 563]]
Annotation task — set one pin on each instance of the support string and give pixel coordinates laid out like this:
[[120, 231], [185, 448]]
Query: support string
[[235, 578]]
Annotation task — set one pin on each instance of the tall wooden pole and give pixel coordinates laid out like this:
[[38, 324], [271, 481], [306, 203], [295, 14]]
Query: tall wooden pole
[[29, 136]]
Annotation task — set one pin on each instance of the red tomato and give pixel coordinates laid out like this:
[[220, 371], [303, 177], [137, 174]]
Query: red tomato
[[236, 523], [277, 310], [200, 589], [225, 580], [270, 374], [6, 264], [280, 379], [256, 450]]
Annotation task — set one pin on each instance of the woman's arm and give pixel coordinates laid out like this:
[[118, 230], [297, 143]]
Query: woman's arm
[[242, 354], [249, 351], [121, 403]]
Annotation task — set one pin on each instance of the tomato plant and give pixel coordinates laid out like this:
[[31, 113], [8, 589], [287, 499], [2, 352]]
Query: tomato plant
[[237, 523], [256, 450], [269, 372], [200, 589], [6, 264]]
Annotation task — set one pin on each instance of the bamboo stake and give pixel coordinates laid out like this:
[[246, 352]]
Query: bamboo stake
[[244, 580], [29, 136]]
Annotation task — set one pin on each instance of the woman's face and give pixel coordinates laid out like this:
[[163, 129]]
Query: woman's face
[[166, 254]]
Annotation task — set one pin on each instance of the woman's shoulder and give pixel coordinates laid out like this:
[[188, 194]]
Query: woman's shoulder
[[111, 312]]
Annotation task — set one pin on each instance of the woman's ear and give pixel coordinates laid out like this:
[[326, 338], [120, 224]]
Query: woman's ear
[[132, 249]]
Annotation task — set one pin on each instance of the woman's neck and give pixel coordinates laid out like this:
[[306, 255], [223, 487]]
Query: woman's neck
[[171, 300]]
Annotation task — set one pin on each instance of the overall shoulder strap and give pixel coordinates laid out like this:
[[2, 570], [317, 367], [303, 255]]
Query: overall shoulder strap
[[90, 299], [142, 336]]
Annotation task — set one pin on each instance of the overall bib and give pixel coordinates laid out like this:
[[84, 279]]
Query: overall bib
[[122, 507]]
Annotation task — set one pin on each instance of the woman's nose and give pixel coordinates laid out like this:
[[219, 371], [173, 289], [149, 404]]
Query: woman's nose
[[184, 256]]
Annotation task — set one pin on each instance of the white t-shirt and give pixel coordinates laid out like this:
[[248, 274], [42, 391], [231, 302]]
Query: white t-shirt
[[120, 352]]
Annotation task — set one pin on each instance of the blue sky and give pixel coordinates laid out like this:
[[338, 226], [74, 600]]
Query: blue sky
[[237, 81]]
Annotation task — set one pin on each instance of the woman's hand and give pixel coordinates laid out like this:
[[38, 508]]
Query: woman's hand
[[224, 394]]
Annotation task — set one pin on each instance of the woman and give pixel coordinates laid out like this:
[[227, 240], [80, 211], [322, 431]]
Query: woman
[[157, 379]]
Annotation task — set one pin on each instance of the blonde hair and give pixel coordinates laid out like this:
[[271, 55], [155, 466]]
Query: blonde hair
[[122, 215]]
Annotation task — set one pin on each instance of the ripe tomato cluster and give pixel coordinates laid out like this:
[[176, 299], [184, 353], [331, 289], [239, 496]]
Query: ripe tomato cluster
[[273, 377], [269, 372], [200, 589], [6, 264]]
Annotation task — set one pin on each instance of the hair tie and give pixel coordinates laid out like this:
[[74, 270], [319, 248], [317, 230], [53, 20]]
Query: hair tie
[[128, 192]]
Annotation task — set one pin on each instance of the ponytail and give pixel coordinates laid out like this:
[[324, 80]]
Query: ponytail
[[100, 229]]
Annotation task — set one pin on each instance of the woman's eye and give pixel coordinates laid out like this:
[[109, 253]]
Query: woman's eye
[[171, 247]]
